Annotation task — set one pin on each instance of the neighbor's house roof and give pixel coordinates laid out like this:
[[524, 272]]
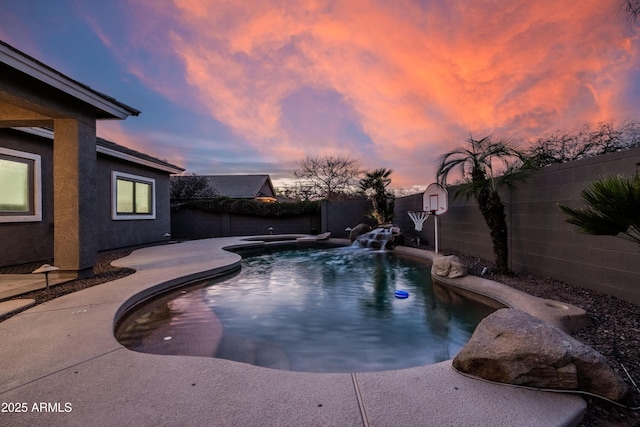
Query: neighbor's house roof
[[112, 149], [242, 186], [105, 106]]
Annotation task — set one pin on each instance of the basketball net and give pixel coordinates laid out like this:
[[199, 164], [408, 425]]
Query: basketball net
[[418, 218]]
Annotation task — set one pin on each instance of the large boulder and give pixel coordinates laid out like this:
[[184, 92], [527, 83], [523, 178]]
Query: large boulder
[[513, 347], [448, 266]]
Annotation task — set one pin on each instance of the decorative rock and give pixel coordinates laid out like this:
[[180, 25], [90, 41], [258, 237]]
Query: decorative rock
[[513, 347], [448, 266], [441, 266], [458, 269], [359, 230]]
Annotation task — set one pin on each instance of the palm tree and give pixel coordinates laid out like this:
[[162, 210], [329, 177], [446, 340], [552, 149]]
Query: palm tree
[[477, 162], [613, 208], [375, 184]]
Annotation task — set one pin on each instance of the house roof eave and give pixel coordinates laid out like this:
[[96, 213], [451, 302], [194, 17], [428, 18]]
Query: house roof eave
[[106, 106], [114, 150], [151, 163]]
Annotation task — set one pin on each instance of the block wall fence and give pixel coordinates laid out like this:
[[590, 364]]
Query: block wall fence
[[540, 241], [334, 217], [197, 224]]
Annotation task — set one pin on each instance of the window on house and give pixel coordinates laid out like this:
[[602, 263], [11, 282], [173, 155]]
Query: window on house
[[20, 186], [133, 197]]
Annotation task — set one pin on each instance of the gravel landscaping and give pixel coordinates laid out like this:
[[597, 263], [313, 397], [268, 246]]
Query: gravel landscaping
[[103, 272], [614, 332]]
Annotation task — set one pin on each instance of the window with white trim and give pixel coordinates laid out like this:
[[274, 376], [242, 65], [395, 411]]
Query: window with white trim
[[20, 186], [133, 197]]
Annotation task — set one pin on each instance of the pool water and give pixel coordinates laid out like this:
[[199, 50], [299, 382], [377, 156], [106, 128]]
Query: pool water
[[325, 310]]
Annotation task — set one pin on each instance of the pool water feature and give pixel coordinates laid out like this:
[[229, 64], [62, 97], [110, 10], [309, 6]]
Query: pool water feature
[[379, 238], [312, 310]]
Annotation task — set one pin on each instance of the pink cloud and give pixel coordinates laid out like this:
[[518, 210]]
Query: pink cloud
[[413, 79], [152, 144]]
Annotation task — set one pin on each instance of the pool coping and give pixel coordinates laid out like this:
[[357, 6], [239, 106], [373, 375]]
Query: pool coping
[[63, 354], [564, 316]]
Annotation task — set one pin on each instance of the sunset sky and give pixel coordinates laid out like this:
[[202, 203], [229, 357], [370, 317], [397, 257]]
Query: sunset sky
[[252, 86]]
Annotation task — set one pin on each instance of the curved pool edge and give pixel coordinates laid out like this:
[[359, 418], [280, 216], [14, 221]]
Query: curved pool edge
[[65, 351], [567, 317]]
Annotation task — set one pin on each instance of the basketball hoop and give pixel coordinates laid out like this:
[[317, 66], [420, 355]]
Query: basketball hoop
[[418, 218]]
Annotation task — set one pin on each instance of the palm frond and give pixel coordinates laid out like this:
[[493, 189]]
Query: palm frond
[[476, 164], [613, 208], [591, 221]]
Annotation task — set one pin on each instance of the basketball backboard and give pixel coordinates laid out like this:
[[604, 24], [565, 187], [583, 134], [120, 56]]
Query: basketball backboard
[[435, 199]]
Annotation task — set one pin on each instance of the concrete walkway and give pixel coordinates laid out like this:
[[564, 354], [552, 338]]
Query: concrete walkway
[[62, 366], [18, 284]]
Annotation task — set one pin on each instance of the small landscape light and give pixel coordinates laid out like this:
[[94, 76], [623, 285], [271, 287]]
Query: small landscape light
[[45, 269]]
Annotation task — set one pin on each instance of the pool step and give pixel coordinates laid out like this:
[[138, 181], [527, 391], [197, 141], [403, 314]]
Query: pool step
[[235, 347], [271, 355], [245, 350]]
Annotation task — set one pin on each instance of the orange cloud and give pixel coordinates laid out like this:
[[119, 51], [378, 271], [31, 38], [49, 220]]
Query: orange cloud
[[414, 76]]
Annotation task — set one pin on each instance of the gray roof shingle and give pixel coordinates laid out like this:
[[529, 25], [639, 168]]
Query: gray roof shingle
[[242, 186]]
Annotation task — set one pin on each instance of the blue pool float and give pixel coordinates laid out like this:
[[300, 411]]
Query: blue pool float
[[402, 294]]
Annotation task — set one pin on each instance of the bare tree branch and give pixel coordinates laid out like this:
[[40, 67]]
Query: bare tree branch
[[327, 177]]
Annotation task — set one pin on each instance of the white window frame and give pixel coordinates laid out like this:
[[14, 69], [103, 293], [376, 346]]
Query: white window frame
[[115, 175], [36, 195]]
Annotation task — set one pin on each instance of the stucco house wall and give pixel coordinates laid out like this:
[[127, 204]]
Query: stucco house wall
[[22, 242], [122, 233], [34, 95], [33, 241]]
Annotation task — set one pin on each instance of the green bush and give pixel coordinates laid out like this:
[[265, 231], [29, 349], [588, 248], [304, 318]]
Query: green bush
[[222, 205], [612, 208]]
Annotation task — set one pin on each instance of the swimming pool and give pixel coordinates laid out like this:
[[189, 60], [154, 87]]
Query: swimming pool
[[320, 310]]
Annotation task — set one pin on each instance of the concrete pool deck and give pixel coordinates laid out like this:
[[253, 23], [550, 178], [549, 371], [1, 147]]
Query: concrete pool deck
[[61, 360]]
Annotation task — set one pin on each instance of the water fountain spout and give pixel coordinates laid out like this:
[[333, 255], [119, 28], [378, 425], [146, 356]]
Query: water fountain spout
[[380, 238]]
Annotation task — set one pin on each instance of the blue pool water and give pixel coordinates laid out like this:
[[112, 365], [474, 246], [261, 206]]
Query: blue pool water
[[325, 310]]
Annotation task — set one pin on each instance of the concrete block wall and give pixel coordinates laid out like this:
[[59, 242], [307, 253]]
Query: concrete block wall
[[463, 225], [401, 219], [197, 224], [540, 241], [338, 215], [461, 228], [335, 217], [251, 225]]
